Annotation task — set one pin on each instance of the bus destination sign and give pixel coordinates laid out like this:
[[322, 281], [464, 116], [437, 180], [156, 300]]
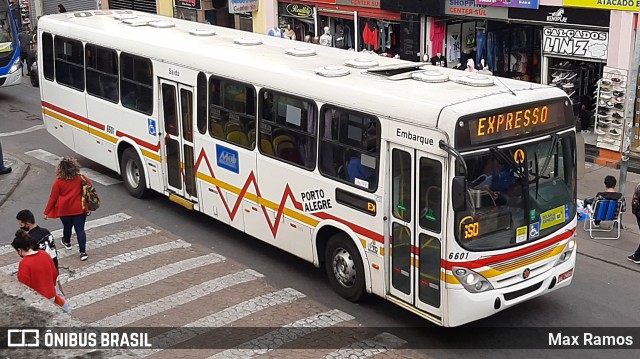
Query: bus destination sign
[[512, 123]]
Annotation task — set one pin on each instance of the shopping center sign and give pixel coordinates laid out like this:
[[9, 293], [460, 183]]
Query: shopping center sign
[[242, 6], [525, 4], [470, 8], [621, 5], [575, 43]]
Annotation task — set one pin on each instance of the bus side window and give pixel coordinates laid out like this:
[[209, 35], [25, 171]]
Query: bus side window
[[232, 115], [47, 56], [69, 55], [102, 72], [136, 83], [350, 147], [288, 129]]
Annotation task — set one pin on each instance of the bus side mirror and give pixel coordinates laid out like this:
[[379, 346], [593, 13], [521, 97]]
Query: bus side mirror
[[458, 193]]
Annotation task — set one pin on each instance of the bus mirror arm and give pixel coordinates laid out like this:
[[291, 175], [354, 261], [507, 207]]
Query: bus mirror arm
[[459, 184]]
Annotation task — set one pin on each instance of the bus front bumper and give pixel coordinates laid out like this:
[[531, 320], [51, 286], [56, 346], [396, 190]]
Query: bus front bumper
[[11, 79], [465, 307]]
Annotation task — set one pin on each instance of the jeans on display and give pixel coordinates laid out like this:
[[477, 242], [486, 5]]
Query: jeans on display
[[480, 42], [491, 51]]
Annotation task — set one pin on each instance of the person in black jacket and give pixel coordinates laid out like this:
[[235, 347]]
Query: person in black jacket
[[61, 8]]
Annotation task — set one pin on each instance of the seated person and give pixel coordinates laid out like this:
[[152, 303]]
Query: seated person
[[355, 169], [497, 180], [610, 193]]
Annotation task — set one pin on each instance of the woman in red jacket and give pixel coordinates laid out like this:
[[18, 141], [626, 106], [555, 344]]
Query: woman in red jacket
[[65, 203], [36, 269]]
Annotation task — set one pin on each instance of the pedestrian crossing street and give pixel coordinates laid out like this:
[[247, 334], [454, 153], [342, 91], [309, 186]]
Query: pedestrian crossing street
[[139, 275]]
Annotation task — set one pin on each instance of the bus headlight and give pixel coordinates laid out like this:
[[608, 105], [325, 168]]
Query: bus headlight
[[15, 66], [568, 250], [471, 281]]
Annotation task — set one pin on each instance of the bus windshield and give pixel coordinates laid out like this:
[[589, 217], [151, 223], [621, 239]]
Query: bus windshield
[[6, 29], [518, 194]]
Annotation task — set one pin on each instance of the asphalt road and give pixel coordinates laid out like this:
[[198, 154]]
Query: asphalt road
[[602, 295]]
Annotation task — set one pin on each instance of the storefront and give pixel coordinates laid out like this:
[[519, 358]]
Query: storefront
[[359, 25], [214, 12]]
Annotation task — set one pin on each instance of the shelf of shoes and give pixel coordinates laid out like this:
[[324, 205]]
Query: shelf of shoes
[[568, 80], [610, 109]]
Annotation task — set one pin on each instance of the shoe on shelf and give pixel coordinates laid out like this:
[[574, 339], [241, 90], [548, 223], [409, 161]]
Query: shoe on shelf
[[616, 123], [616, 115], [83, 256], [618, 93], [599, 131], [614, 133], [65, 244], [634, 259], [618, 106]]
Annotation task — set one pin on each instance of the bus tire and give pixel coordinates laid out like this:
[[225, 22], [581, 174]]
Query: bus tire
[[344, 267], [133, 173]]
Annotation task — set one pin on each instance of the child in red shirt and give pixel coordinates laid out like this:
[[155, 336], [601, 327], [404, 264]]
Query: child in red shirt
[[36, 269]]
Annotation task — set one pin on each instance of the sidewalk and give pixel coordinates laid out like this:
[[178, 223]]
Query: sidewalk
[[614, 251], [10, 181]]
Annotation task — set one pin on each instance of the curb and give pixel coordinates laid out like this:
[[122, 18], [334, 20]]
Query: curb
[[20, 170], [24, 299]]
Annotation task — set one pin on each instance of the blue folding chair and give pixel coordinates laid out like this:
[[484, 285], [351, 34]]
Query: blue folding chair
[[604, 210]]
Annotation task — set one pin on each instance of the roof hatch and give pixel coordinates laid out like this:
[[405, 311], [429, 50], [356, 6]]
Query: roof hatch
[[397, 72], [202, 32], [247, 41], [300, 51], [361, 63], [431, 76], [332, 71]]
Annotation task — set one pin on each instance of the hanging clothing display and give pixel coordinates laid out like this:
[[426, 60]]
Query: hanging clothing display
[[370, 35], [438, 31], [453, 47]]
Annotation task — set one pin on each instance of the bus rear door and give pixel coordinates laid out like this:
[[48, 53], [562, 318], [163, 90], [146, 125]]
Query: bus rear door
[[416, 220], [176, 120]]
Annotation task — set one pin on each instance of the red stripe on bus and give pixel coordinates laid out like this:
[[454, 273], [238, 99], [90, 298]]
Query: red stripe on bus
[[360, 230], [154, 148], [507, 256], [73, 115]]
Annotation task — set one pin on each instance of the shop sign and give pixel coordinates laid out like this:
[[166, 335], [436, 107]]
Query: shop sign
[[524, 4], [360, 3], [298, 10], [562, 15], [470, 8], [242, 6], [620, 5], [191, 4], [575, 43]]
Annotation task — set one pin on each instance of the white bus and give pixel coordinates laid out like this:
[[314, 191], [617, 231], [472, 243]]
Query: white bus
[[450, 194]]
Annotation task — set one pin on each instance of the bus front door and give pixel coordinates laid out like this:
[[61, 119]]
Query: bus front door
[[415, 236], [176, 119]]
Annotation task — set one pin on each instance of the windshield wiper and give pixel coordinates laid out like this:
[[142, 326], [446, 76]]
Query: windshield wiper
[[547, 161], [508, 160]]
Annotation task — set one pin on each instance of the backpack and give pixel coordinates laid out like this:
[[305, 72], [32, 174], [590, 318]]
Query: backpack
[[90, 199], [635, 202]]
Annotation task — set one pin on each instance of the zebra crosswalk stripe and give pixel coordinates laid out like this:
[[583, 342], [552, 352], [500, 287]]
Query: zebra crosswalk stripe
[[141, 280], [52, 159], [219, 319], [95, 223], [279, 337], [120, 259], [169, 302], [93, 244], [368, 348]]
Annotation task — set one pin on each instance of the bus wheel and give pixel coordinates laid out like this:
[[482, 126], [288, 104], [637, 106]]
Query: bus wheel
[[344, 267], [133, 173]]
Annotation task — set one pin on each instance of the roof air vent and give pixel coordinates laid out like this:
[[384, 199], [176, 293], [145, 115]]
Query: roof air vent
[[332, 71], [202, 32], [300, 51], [475, 80], [163, 24], [138, 21], [122, 17], [247, 41], [361, 63], [431, 76]]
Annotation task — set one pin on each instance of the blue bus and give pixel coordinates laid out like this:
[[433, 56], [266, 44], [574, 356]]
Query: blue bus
[[9, 48]]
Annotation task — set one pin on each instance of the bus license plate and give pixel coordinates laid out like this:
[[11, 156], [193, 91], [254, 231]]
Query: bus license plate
[[565, 275]]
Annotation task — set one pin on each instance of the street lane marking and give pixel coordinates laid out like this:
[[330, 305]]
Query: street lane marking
[[174, 300], [95, 223], [219, 319], [120, 259], [20, 132], [288, 333], [141, 280], [368, 348], [91, 244], [52, 159]]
